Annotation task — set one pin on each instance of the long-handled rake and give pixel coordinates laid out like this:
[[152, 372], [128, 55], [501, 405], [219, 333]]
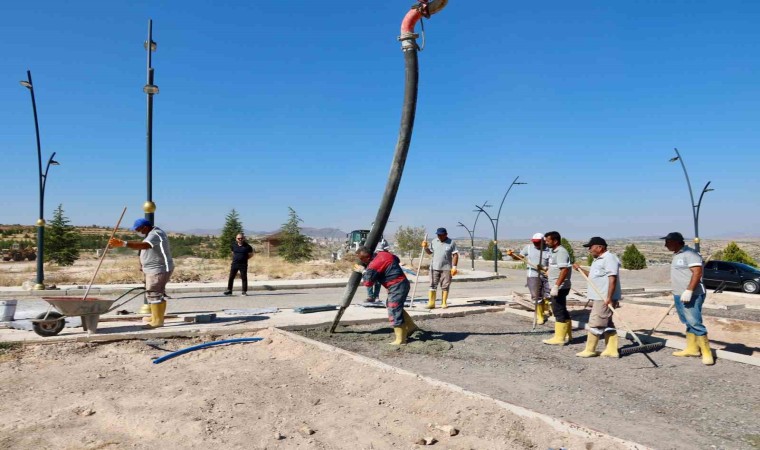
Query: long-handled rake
[[417, 277], [651, 332], [641, 347]]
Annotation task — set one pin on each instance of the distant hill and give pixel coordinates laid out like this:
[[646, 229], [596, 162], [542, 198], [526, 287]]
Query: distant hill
[[329, 233]]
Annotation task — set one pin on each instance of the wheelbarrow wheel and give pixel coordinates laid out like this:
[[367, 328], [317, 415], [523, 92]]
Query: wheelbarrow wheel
[[52, 325]]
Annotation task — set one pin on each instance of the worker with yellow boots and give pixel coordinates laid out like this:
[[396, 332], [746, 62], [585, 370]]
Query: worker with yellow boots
[[536, 257], [689, 294], [443, 267], [559, 282], [157, 265], [385, 268], [604, 277]]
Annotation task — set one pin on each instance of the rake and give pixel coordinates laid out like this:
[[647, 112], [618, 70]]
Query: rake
[[417, 276], [641, 347], [651, 332]]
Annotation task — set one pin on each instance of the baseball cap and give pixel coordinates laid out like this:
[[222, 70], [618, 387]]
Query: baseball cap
[[674, 236], [141, 222], [596, 240], [537, 237], [441, 231]]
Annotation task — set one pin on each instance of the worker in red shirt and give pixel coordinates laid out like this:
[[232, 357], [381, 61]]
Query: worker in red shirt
[[385, 268]]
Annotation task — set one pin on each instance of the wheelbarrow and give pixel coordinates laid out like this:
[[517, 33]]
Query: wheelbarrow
[[51, 323]]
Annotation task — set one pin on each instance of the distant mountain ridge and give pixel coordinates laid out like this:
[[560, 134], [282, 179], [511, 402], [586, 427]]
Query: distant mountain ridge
[[328, 233]]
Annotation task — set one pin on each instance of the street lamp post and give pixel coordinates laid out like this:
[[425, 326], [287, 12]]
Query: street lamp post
[[40, 284], [150, 90], [472, 243], [694, 206], [495, 246], [495, 222], [472, 234]]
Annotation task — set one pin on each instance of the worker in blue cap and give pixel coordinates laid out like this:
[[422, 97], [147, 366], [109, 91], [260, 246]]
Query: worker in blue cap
[[443, 267], [157, 265]]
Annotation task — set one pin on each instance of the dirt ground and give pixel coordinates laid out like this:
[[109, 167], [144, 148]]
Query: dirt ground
[[276, 393], [682, 404]]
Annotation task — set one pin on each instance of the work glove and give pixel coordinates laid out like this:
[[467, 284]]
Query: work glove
[[555, 291], [424, 244], [453, 271], [113, 242], [358, 268], [686, 296]]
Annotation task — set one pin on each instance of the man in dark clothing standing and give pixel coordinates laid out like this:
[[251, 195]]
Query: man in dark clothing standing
[[241, 253]]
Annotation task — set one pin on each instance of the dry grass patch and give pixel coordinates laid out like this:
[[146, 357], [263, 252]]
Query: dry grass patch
[[125, 269]]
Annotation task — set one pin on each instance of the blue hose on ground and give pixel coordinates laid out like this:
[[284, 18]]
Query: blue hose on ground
[[204, 345]]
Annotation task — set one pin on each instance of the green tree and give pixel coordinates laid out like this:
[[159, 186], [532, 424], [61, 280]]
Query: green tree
[[633, 259], [294, 246], [408, 240], [232, 226], [61, 240], [734, 253], [488, 254], [589, 259], [565, 243]]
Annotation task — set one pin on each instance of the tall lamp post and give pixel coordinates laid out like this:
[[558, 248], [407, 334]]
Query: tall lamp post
[[472, 234], [495, 222], [694, 206], [40, 284], [150, 90]]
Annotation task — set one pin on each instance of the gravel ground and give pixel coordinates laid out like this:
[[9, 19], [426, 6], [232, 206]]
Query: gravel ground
[[682, 404]]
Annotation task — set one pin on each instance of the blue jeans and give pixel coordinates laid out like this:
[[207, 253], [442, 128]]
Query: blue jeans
[[690, 314]]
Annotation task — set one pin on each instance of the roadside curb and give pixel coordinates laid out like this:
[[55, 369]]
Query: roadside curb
[[438, 313], [177, 288]]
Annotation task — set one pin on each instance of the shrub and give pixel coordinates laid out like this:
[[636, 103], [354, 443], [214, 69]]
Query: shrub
[[633, 259], [488, 254], [734, 253]]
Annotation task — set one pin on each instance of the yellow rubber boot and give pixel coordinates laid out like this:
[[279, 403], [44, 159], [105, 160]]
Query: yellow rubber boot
[[611, 348], [161, 314], [444, 298], [692, 349], [560, 332], [409, 324], [569, 334], [431, 300], [704, 346], [591, 341], [154, 312], [548, 307], [540, 319], [400, 333]]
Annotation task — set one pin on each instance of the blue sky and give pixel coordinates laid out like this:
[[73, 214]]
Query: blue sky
[[274, 104]]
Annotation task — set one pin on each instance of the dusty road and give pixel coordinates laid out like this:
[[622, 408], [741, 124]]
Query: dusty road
[[273, 394], [680, 405]]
